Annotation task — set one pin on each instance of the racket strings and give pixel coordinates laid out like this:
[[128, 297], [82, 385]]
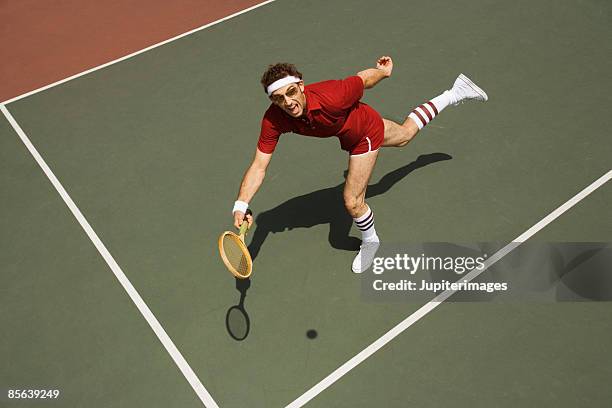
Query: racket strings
[[235, 254]]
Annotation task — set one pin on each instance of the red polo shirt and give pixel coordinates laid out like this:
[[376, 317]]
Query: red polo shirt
[[332, 109]]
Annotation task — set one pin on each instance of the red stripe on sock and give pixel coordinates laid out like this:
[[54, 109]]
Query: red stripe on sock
[[427, 112], [430, 103], [416, 112]]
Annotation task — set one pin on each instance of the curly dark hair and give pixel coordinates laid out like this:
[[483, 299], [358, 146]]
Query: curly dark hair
[[278, 71]]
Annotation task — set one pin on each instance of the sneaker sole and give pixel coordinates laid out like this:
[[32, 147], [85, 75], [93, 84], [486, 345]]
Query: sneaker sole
[[475, 87]]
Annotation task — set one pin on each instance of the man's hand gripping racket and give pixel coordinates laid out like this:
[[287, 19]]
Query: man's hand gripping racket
[[234, 252]]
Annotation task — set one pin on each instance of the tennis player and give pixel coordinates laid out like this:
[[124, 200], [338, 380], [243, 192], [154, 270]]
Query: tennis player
[[333, 108]]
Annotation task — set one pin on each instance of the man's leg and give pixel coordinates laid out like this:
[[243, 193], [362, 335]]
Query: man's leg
[[397, 135], [463, 89], [359, 172]]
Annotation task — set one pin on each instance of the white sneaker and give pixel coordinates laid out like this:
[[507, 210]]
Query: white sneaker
[[464, 90], [365, 257]]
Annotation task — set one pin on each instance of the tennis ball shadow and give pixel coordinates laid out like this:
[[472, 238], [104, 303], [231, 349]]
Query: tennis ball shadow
[[326, 206], [237, 321]]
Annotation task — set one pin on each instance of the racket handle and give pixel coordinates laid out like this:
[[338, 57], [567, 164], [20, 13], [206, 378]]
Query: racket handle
[[245, 225]]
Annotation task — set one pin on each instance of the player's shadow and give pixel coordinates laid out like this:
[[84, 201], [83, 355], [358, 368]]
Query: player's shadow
[[326, 206]]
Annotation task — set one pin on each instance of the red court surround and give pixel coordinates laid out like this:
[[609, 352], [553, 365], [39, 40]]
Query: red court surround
[[44, 41]]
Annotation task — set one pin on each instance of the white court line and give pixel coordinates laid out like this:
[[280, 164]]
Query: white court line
[[161, 334], [70, 78], [435, 302]]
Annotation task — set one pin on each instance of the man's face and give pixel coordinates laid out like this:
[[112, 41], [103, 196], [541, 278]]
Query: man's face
[[291, 99]]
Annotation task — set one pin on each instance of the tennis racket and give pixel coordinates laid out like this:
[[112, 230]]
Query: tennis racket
[[234, 252]]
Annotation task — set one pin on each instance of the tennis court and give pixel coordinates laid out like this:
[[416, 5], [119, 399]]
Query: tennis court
[[117, 183]]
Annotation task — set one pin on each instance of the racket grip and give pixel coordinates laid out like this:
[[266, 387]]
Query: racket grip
[[245, 225]]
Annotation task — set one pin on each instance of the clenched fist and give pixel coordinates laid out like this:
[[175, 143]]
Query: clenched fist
[[239, 219], [385, 64]]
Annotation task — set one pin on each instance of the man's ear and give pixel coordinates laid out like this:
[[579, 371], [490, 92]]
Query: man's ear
[[301, 85]]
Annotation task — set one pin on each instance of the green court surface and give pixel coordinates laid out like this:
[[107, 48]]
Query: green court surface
[[152, 151]]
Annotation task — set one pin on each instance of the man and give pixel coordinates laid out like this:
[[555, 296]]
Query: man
[[332, 108]]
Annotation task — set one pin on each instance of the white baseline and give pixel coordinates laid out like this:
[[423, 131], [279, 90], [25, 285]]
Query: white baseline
[[439, 299], [161, 334]]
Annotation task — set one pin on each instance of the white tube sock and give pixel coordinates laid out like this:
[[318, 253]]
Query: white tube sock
[[425, 113], [365, 223]]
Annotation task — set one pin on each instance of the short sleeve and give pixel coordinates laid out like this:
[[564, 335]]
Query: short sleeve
[[272, 126], [350, 91]]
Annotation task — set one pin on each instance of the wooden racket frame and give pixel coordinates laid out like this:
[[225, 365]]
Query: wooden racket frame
[[240, 236]]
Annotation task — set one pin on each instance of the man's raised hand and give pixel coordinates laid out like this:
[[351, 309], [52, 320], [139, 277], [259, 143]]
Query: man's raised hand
[[385, 64]]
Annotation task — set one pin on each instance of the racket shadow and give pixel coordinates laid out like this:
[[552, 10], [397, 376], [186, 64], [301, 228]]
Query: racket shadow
[[237, 321], [326, 206]]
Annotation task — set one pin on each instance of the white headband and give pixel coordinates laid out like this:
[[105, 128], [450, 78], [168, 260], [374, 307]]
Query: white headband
[[281, 82]]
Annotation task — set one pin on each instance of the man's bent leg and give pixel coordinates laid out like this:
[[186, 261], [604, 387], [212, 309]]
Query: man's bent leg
[[397, 135], [360, 170], [463, 89]]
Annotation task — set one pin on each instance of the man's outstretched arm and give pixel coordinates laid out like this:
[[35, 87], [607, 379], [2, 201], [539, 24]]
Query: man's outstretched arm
[[372, 76], [252, 180]]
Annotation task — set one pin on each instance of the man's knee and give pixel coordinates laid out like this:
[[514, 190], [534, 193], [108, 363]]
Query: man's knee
[[400, 135], [409, 131], [404, 142]]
